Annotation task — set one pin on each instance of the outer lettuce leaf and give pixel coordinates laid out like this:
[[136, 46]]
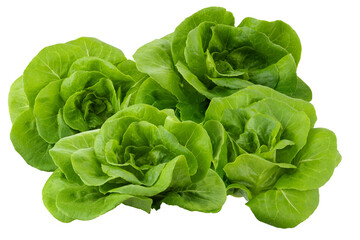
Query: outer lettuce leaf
[[203, 196], [68, 201], [46, 67], [27, 142], [302, 91], [96, 48], [284, 208], [282, 34], [55, 184], [278, 32], [315, 162], [18, 102], [154, 59]]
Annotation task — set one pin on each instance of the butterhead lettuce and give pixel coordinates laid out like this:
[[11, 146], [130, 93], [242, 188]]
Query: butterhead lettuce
[[141, 157], [207, 56], [67, 88], [209, 110], [267, 150]]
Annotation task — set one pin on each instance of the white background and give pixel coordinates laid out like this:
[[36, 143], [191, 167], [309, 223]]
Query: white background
[[329, 32]]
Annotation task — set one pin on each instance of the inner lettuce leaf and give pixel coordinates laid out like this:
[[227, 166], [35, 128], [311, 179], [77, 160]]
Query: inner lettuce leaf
[[66, 89]]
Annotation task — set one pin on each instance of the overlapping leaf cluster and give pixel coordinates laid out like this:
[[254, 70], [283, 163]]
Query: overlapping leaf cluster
[[209, 110]]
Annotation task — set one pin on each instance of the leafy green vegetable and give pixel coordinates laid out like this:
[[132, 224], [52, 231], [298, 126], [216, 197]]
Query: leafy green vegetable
[[207, 56], [141, 157], [270, 153], [209, 110], [67, 88]]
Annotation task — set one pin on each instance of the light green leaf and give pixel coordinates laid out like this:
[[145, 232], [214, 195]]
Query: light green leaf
[[55, 184], [129, 68], [192, 110], [315, 162], [63, 150], [64, 130], [17, 100], [142, 203], [194, 81], [239, 190], [229, 38], [73, 114], [112, 130], [298, 104], [154, 59], [115, 126], [267, 128], [252, 94], [278, 32], [284, 208], [280, 76], [196, 139], [232, 83], [150, 92], [86, 203], [212, 14], [141, 133], [88, 168], [206, 195], [79, 81], [218, 139], [89, 108], [302, 91], [119, 172], [296, 125], [254, 172], [174, 146], [96, 48], [196, 43], [46, 109], [27, 142], [175, 167], [51, 64], [107, 69]]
